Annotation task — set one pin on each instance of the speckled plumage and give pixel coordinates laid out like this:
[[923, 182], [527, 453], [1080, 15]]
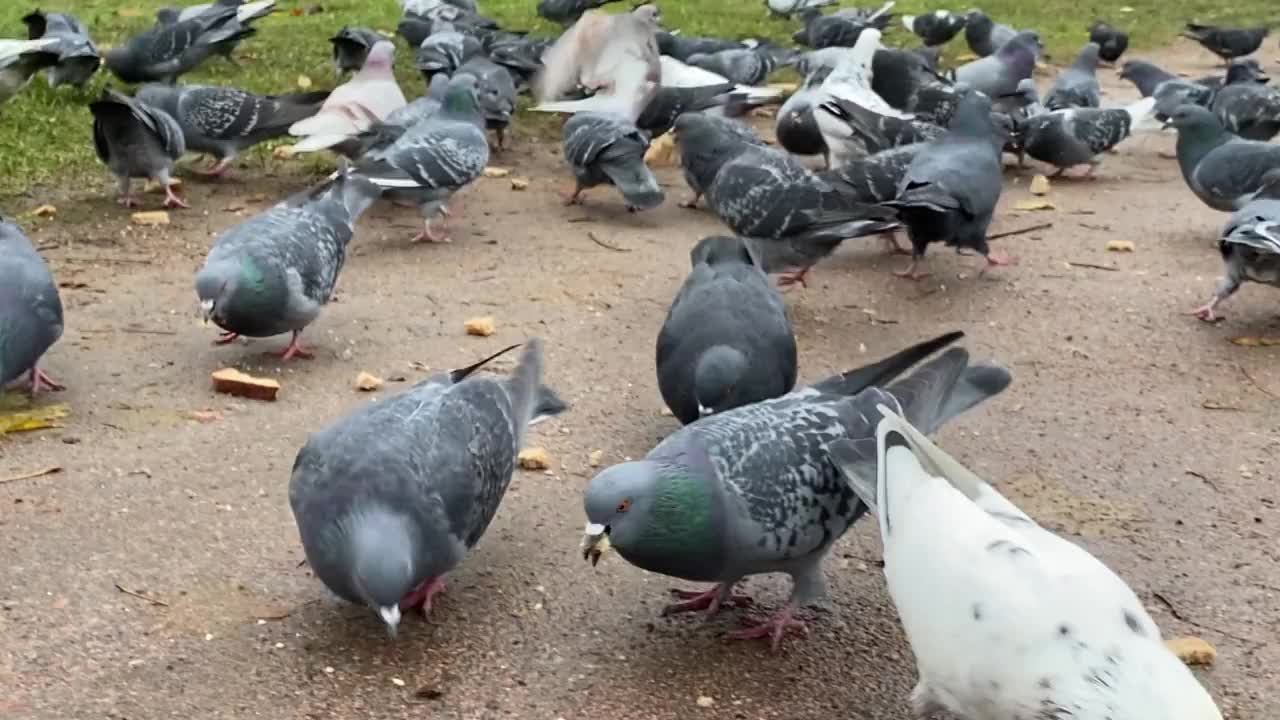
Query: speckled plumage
[[1076, 136], [607, 148], [1250, 246], [1221, 169], [30, 307], [495, 92], [706, 143], [445, 50], [78, 57], [1245, 106], [1077, 85], [170, 49]]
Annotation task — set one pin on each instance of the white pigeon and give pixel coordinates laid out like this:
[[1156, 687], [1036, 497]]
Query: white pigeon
[[1006, 619], [16, 63], [850, 81], [245, 12], [353, 107], [678, 74], [616, 56]]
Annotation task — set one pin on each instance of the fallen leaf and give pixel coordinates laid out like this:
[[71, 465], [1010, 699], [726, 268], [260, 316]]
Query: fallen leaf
[[45, 211], [1192, 650], [482, 326], [496, 172], [594, 458], [1245, 341], [1034, 204], [233, 382], [205, 416], [534, 459], [1120, 246], [1040, 185], [150, 217], [129, 12], [397, 682], [367, 382], [296, 12], [519, 184], [34, 419], [304, 82]]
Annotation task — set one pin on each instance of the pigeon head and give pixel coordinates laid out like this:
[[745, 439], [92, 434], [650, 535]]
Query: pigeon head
[[977, 20], [721, 248], [1245, 71], [1195, 122], [651, 512], [462, 97], [716, 378], [381, 561], [972, 117], [1025, 43], [167, 16], [1088, 57], [649, 15], [226, 283]]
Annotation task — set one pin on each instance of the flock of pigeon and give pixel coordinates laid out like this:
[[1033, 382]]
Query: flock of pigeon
[[764, 476]]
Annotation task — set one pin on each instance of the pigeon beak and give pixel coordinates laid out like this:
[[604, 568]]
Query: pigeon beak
[[390, 616], [206, 309], [704, 411], [595, 542]]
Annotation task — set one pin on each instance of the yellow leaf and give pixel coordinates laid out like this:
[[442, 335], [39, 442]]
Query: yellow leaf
[[1039, 185], [304, 82], [1255, 341], [33, 419], [1034, 204], [367, 382], [1120, 246], [660, 152]]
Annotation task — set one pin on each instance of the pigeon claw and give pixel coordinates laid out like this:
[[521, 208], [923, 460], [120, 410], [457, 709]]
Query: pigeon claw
[[173, 201], [226, 337], [40, 379], [773, 628], [1206, 312], [693, 601], [911, 273], [794, 278], [295, 349], [421, 596]]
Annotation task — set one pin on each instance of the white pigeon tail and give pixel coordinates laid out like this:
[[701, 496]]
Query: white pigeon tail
[[678, 74], [355, 106], [614, 56], [851, 79], [245, 12], [1005, 618], [1142, 115]]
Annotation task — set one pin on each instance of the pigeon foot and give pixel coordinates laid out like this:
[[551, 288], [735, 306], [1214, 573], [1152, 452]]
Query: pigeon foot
[[1205, 312], [911, 273], [295, 349], [226, 337], [41, 379], [432, 235], [215, 170], [794, 278], [708, 600], [421, 596], [173, 201], [891, 245], [773, 628]]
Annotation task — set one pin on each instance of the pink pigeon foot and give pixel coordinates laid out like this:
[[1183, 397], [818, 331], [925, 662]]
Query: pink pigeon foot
[[709, 601], [994, 260], [773, 628], [128, 201], [794, 278], [215, 170], [295, 349], [911, 273], [39, 379], [226, 337], [572, 197], [1205, 312], [430, 234], [891, 245], [173, 201], [421, 596]]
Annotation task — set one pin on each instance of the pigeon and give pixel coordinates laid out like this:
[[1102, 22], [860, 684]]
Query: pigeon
[[136, 140], [669, 103], [789, 216], [30, 310], [676, 74], [726, 341], [171, 49], [741, 66], [433, 159], [615, 56], [353, 107], [998, 74], [871, 133], [682, 47], [1172, 94], [426, 7], [1250, 246], [351, 46], [1111, 42], [1005, 618], [608, 149], [753, 490], [521, 56], [876, 177], [1246, 106], [225, 121], [246, 13], [1227, 43], [841, 28], [1077, 136], [984, 35], [390, 498], [1077, 86], [444, 51], [78, 57], [706, 143], [21, 59], [272, 273], [951, 189], [1247, 70], [1223, 170], [496, 92], [935, 28], [787, 8], [567, 12], [1145, 76]]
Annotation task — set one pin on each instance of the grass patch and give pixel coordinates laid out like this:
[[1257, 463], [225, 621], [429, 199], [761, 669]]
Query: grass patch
[[46, 138]]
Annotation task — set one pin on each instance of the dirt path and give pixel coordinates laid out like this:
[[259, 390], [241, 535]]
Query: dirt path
[[1108, 433]]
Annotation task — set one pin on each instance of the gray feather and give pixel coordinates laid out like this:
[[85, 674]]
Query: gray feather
[[30, 307]]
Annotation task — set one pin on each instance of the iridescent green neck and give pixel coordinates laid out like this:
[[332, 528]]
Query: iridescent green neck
[[680, 519]]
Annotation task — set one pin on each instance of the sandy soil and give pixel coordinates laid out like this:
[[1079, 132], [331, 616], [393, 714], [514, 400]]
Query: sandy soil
[[1142, 432]]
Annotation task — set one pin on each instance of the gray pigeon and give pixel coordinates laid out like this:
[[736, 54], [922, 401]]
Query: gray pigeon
[[170, 49], [78, 57], [740, 65], [787, 8], [22, 59], [521, 56], [726, 341], [841, 28], [753, 490], [706, 143], [1111, 42], [1246, 69], [951, 189], [998, 74], [1172, 94], [669, 103], [390, 498], [1246, 106], [875, 179], [683, 46], [434, 158], [1077, 136], [1077, 86], [873, 132], [30, 310], [1145, 76], [984, 35], [608, 149], [272, 273], [789, 216], [935, 28], [496, 92], [1227, 43], [224, 121], [567, 12], [351, 46], [246, 14], [1250, 246], [135, 140], [445, 50], [1223, 170]]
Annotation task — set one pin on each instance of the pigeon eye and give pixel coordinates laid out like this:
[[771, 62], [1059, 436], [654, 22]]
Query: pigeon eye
[[624, 506]]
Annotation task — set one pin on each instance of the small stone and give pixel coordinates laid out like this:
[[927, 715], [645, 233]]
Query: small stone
[[594, 458], [1192, 650], [705, 701], [328, 669], [534, 459], [519, 184], [366, 382], [481, 326], [397, 682]]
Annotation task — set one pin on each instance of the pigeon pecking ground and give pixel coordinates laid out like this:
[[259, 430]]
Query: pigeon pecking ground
[[1143, 431]]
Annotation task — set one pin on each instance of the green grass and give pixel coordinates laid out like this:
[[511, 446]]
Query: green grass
[[45, 136]]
